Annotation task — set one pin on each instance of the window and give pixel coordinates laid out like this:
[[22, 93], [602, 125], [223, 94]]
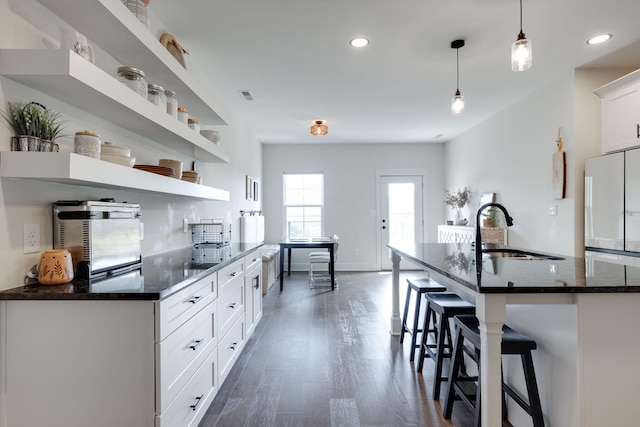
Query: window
[[303, 203]]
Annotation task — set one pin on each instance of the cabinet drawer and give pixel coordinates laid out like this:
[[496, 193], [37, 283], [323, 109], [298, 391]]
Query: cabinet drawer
[[230, 305], [252, 260], [229, 348], [192, 402], [178, 308], [228, 273], [182, 352]]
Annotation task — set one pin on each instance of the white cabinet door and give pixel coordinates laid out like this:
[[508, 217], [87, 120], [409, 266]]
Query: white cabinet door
[[620, 113], [632, 201]]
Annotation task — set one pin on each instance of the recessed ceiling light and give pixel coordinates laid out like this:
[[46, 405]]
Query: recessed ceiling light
[[359, 42], [600, 38]]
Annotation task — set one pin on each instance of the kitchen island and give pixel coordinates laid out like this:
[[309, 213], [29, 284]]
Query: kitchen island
[[146, 348], [606, 298]]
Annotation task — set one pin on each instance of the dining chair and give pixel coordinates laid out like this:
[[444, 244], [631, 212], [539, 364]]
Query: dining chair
[[318, 258]]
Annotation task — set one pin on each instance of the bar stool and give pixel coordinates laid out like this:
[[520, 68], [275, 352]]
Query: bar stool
[[446, 305], [463, 386], [420, 287]]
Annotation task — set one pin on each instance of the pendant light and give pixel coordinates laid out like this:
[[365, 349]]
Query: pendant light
[[457, 103], [521, 56], [319, 128]]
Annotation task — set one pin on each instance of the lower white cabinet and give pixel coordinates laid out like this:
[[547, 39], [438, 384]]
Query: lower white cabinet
[[105, 363], [253, 290]]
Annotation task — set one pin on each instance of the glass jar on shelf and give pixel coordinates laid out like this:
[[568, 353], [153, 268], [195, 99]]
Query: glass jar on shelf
[[193, 124], [134, 79], [172, 103], [156, 95], [183, 115]]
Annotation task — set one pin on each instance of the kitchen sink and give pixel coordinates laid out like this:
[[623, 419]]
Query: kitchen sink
[[517, 254]]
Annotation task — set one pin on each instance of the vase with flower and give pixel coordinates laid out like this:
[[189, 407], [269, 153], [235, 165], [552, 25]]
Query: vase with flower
[[457, 200]]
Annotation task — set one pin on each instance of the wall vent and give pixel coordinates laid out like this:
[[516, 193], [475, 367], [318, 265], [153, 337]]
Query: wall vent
[[247, 95]]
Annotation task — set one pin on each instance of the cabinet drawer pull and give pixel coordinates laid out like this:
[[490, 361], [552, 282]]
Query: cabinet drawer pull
[[198, 400], [254, 260], [235, 273], [195, 299], [197, 344], [233, 346], [638, 130], [233, 305]]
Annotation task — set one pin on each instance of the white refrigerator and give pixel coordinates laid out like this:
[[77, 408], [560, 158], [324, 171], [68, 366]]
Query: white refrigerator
[[612, 206]]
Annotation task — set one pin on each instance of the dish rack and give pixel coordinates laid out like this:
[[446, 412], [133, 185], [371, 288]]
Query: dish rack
[[211, 242]]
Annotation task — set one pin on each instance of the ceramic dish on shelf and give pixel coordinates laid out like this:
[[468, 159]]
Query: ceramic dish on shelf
[[211, 135], [190, 176], [120, 160], [113, 150], [176, 165], [169, 42], [160, 170]]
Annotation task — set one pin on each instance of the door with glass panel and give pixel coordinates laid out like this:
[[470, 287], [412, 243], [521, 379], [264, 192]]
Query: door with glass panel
[[401, 214]]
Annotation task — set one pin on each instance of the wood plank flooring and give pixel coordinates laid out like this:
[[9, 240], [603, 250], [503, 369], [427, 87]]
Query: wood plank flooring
[[323, 358]]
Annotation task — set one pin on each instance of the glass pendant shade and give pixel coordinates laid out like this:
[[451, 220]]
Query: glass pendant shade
[[319, 128], [457, 104], [521, 54]]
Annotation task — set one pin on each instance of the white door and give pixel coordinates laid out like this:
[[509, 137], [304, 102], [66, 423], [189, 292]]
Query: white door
[[401, 214]]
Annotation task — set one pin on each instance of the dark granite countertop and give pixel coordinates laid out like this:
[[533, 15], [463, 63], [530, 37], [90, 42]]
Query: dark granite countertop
[[160, 276], [500, 274]]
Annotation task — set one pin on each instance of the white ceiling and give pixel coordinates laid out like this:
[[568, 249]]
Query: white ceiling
[[295, 59]]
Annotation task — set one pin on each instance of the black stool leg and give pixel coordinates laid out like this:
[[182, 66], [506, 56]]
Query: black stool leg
[[453, 375], [532, 390], [416, 317], [405, 314], [425, 336], [440, 346]]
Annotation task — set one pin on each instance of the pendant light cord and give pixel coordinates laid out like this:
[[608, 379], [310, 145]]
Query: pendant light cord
[[457, 71], [521, 33]]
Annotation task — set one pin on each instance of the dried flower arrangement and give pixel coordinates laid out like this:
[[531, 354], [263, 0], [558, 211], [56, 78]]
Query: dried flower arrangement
[[457, 200]]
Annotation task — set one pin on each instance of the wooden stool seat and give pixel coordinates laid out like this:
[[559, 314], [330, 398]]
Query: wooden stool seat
[[445, 305], [419, 286], [467, 388]]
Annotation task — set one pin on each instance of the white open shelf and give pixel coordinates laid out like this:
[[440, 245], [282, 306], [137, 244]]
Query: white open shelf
[[74, 169], [109, 24], [68, 77]]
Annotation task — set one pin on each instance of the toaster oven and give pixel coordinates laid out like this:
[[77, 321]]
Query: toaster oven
[[103, 235]]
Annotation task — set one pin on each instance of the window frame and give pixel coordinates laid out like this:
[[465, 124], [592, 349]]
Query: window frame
[[303, 205]]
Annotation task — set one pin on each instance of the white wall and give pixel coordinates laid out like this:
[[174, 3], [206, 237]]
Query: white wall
[[350, 191], [516, 147], [27, 24]]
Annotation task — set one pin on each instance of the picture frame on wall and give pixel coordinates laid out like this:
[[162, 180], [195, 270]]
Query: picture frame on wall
[[249, 188], [255, 191]]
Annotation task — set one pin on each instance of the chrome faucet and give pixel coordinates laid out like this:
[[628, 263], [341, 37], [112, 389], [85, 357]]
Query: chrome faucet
[[478, 242]]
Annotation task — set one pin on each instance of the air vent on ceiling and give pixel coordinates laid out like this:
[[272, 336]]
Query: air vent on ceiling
[[247, 95]]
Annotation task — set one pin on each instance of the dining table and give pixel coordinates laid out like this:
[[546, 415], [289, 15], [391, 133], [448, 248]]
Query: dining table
[[327, 243]]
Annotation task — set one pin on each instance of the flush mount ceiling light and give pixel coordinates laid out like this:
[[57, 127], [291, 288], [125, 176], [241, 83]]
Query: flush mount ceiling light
[[359, 42], [457, 103], [319, 128], [600, 38], [521, 57]]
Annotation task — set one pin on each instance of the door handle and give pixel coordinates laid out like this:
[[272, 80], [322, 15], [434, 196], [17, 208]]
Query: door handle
[[384, 227]]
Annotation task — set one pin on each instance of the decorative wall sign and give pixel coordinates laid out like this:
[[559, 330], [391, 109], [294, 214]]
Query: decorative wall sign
[[559, 178], [249, 188]]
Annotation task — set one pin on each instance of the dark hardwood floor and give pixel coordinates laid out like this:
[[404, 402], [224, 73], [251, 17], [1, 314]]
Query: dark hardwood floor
[[323, 358]]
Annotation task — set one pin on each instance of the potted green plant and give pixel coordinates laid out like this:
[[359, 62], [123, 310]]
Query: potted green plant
[[457, 201], [31, 123], [490, 217]]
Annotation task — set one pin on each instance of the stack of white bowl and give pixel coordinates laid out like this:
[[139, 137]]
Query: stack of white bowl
[[211, 135], [176, 165], [190, 176], [115, 154]]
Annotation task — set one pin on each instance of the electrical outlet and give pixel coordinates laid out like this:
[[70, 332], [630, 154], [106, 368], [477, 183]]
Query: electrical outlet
[[31, 238], [185, 225], [553, 210]]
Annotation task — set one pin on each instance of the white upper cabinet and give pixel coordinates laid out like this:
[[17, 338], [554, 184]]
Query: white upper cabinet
[[620, 113]]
